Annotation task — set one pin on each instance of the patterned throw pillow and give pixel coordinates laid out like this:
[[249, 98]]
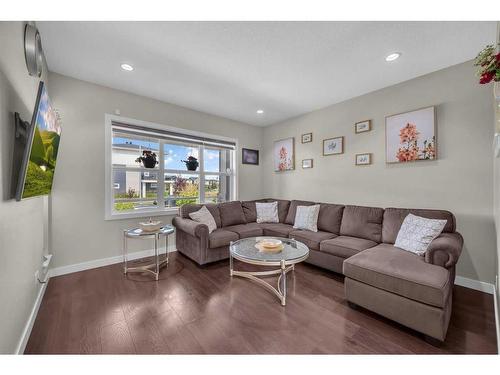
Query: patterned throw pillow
[[267, 212], [204, 216], [306, 217], [417, 233]]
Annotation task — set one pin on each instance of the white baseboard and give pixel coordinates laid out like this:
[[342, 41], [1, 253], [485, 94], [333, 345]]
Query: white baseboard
[[475, 284], [58, 271], [497, 310], [31, 321]]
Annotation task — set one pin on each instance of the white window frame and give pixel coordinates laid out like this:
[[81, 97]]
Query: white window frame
[[110, 214]]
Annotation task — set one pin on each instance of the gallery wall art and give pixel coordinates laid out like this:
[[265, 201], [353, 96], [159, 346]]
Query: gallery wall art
[[363, 126], [249, 156], [333, 146], [284, 155], [411, 136], [363, 159]]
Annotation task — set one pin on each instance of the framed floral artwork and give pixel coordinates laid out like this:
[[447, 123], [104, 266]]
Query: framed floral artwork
[[284, 155], [411, 136], [363, 126], [363, 159], [333, 146]]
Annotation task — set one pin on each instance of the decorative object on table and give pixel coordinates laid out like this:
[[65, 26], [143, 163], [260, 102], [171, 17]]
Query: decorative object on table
[[417, 233], [191, 163], [269, 245], [306, 138], [150, 225], [148, 159], [159, 262], [411, 136], [204, 216], [33, 51], [306, 217], [363, 126], [267, 212], [284, 155], [488, 61], [363, 159], [249, 156], [307, 163], [333, 146]]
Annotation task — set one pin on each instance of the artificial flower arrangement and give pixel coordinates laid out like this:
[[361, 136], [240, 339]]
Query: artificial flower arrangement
[[488, 61]]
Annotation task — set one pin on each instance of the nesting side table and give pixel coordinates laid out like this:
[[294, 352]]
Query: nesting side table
[[159, 261]]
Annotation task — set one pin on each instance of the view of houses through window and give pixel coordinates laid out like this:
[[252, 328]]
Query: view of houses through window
[[169, 183]]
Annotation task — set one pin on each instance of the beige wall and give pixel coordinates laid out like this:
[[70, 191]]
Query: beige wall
[[79, 231], [460, 180], [21, 223]]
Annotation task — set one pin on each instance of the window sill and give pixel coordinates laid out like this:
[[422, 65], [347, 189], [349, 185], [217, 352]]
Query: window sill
[[146, 213]]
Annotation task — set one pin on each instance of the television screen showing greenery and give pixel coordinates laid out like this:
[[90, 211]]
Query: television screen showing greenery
[[44, 147]]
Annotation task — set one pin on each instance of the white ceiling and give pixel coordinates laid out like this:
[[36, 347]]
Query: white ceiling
[[231, 69]]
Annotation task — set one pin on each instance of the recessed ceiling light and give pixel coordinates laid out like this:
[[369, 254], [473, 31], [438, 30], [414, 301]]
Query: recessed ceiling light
[[127, 67], [392, 56], [260, 111]]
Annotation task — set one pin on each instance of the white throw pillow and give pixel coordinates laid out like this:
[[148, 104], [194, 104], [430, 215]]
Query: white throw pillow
[[417, 233], [306, 217], [204, 216], [267, 212]]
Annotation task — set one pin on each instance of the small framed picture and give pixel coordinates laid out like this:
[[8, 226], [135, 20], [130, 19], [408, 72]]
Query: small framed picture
[[249, 156], [363, 126], [333, 146], [363, 159], [307, 163], [306, 138]]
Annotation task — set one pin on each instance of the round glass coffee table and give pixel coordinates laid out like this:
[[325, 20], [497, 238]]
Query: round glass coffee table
[[245, 251]]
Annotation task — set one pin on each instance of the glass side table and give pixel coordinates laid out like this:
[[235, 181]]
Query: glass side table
[[159, 261]]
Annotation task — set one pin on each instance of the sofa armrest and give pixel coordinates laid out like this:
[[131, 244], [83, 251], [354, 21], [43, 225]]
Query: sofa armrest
[[191, 227], [445, 250]]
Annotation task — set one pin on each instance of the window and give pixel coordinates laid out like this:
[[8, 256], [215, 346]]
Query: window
[[135, 191]]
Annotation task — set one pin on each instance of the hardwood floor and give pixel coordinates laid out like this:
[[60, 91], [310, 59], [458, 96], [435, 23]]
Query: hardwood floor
[[197, 310]]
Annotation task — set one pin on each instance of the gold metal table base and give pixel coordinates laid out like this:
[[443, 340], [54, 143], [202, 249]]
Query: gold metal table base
[[148, 268], [280, 291]]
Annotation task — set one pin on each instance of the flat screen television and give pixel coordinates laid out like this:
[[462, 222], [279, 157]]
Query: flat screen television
[[40, 152]]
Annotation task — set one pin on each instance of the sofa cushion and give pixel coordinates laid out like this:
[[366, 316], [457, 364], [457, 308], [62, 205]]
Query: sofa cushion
[[290, 216], [362, 222], [231, 213], [186, 209], [283, 206], [345, 246], [306, 217], [276, 229], [246, 230], [310, 239], [250, 210], [204, 216], [267, 212], [394, 217], [221, 237], [330, 217], [401, 272]]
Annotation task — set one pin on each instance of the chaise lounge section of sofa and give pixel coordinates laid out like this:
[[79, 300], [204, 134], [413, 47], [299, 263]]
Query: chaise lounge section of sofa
[[355, 241]]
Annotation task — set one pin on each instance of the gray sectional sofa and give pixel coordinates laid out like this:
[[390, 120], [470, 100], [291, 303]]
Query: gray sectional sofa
[[356, 241]]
